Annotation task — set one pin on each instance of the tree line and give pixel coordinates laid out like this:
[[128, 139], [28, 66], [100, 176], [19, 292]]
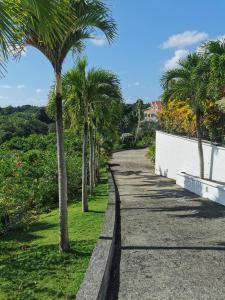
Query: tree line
[[56, 27]]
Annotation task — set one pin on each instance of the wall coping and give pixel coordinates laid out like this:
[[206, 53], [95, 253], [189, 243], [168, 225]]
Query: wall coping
[[204, 181], [96, 280], [194, 140]]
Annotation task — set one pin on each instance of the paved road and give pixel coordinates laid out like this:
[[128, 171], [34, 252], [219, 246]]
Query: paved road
[[172, 241]]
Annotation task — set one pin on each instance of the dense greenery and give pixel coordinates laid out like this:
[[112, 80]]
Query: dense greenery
[[93, 103], [32, 177], [23, 121], [32, 268], [198, 81], [28, 176], [178, 117], [134, 130]]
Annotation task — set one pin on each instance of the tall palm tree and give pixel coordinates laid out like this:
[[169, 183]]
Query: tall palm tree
[[189, 83], [86, 95], [13, 15], [86, 16], [139, 111]]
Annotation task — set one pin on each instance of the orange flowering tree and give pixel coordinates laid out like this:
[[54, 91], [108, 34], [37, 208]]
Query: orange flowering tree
[[178, 117]]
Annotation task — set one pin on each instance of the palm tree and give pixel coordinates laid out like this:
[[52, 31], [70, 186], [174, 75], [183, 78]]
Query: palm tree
[[86, 95], [13, 15], [139, 111], [85, 16], [189, 83], [215, 50]]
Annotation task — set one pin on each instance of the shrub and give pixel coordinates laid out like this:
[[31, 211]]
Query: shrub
[[28, 177], [177, 117], [127, 140], [151, 152]]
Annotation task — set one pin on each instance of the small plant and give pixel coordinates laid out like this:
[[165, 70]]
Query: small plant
[[151, 152]]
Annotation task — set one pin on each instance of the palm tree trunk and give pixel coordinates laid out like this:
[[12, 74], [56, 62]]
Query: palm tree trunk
[[91, 161], [62, 176], [84, 169], [200, 148], [94, 159], [138, 126], [98, 162]]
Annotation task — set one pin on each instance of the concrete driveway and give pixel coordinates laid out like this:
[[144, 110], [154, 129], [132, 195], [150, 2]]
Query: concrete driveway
[[172, 241]]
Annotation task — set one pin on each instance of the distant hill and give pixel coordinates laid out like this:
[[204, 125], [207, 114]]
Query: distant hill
[[22, 121]]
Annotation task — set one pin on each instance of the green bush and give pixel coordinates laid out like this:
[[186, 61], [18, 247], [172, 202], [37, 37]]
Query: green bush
[[28, 177], [127, 140], [151, 152]]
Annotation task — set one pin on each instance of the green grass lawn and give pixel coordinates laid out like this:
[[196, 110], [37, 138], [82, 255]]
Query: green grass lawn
[[30, 264]]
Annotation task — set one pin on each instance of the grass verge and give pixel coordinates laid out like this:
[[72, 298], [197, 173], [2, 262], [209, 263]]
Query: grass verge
[[30, 264]]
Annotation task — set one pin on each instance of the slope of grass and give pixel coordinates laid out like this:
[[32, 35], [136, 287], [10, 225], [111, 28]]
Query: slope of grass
[[30, 264]]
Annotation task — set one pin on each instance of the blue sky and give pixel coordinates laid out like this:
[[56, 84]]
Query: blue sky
[[152, 36]]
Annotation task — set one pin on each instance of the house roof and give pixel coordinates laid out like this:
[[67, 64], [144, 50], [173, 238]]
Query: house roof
[[155, 107]]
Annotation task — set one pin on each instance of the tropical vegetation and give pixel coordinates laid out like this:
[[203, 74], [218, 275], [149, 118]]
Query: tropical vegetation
[[32, 178], [190, 95]]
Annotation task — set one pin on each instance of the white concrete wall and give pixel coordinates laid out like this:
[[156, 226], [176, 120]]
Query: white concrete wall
[[204, 188], [176, 154]]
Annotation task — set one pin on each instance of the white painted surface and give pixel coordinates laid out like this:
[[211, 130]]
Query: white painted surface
[[204, 188], [179, 154]]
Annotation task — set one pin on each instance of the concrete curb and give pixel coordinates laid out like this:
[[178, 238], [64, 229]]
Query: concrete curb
[[96, 280]]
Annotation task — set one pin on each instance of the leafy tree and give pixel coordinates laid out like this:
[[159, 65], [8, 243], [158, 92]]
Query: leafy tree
[[189, 82], [178, 117], [28, 177], [81, 19], [19, 16], [215, 51], [23, 121], [88, 97]]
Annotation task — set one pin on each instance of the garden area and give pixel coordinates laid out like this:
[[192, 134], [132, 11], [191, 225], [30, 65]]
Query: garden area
[[31, 266], [54, 153]]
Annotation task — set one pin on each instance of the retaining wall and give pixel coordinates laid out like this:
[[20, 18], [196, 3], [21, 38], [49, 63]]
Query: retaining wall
[[96, 280]]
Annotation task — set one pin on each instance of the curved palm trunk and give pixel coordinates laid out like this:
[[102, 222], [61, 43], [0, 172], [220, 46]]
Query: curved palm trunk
[[84, 167], [62, 176], [91, 160], [200, 148]]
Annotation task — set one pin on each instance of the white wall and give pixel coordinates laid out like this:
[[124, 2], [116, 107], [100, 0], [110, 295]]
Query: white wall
[[204, 188], [176, 154]]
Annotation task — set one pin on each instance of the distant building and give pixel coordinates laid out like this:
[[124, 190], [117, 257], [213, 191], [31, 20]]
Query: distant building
[[151, 113]]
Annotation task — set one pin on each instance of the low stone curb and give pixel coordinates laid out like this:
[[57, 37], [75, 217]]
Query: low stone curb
[[96, 280]]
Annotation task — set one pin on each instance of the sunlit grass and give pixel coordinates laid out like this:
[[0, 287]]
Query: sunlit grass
[[30, 264]]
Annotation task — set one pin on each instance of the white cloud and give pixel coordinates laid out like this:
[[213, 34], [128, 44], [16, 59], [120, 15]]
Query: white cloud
[[186, 38], [21, 86], [5, 86], [173, 62], [38, 91], [137, 83], [17, 50], [3, 97], [99, 41]]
